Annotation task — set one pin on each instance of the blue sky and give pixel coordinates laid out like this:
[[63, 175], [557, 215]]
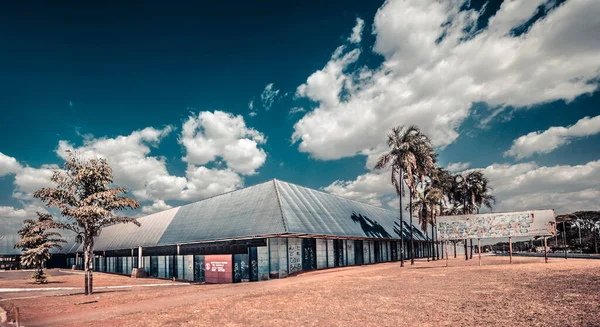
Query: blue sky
[[163, 93]]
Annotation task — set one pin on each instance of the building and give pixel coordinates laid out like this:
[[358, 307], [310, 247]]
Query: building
[[9, 256], [269, 230]]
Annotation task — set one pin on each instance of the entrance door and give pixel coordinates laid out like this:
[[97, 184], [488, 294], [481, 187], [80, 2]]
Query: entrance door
[[358, 253], [309, 257], [338, 253]]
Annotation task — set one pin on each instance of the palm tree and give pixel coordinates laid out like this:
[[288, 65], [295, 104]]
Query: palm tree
[[427, 207], [410, 157], [474, 192], [36, 243], [441, 179]]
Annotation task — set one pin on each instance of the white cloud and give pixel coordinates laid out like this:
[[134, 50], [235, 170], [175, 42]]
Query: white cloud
[[128, 156], [326, 84], [519, 186], [296, 110], [435, 67], [458, 166], [552, 138], [157, 205], [222, 135], [204, 182], [28, 180], [357, 31], [206, 138], [251, 105], [8, 165], [529, 186], [367, 188], [268, 96], [11, 218]]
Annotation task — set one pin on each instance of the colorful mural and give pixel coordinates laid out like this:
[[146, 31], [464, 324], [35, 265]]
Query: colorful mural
[[495, 225]]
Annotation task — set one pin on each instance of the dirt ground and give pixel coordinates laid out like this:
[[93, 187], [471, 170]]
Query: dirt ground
[[527, 293]]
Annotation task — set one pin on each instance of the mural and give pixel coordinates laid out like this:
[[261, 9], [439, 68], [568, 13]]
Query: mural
[[495, 225]]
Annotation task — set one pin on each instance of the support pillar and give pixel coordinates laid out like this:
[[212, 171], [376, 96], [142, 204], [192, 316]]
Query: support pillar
[[139, 272], [510, 249], [545, 249], [447, 254], [479, 250]]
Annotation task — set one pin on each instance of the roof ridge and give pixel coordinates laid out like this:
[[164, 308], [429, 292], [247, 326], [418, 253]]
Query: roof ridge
[[280, 203]]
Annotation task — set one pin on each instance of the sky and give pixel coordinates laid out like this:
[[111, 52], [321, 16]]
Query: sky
[[187, 101]]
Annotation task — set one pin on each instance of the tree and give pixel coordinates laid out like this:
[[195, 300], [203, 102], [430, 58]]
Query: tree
[[427, 207], [410, 157], [36, 242], [470, 192], [84, 197]]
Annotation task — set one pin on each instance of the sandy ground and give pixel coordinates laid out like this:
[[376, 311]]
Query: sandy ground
[[527, 293]]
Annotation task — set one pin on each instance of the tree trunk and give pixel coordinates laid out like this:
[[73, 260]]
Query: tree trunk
[[466, 250], [412, 239], [432, 243], [401, 223], [85, 265], [91, 266]]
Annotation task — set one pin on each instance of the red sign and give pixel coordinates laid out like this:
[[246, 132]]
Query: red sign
[[218, 269]]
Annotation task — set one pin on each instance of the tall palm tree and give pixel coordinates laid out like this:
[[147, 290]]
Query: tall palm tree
[[441, 179], [410, 156]]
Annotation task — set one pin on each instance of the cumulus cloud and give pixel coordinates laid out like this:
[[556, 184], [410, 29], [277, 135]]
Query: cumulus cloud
[[268, 96], [530, 186], [8, 165], [367, 188], [209, 136], [518, 186], [157, 205], [129, 156], [458, 166], [436, 65], [11, 218], [296, 110], [554, 137], [357, 30]]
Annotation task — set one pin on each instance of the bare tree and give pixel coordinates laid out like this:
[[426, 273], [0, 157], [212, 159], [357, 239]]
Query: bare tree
[[84, 197]]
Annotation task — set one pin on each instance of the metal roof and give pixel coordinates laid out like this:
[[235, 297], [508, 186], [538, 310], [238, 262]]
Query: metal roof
[[7, 243], [251, 211], [127, 236], [309, 211]]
